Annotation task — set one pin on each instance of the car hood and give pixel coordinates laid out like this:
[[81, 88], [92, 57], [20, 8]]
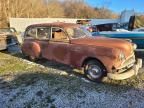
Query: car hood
[[123, 45]]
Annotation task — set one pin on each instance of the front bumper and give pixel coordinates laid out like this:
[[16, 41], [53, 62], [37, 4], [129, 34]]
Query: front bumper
[[128, 73]]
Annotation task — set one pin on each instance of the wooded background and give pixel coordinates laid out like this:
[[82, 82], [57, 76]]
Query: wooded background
[[50, 9]]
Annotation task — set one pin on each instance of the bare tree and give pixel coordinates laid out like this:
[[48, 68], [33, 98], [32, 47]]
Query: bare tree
[[105, 13], [54, 9], [50, 8]]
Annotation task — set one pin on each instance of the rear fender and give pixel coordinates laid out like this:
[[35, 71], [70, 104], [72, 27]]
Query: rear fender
[[32, 49]]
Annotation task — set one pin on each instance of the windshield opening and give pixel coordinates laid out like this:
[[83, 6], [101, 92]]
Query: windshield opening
[[7, 30], [78, 32]]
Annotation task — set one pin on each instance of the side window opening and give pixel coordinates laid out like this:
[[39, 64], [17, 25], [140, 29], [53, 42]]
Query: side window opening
[[31, 33], [43, 33], [58, 34], [38, 33]]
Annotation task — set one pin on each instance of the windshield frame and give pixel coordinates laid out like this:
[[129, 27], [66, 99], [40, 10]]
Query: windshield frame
[[7, 30], [81, 29]]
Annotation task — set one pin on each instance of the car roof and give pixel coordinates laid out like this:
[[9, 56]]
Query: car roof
[[56, 24]]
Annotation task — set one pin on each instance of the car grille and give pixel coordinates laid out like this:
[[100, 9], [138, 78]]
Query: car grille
[[129, 61], [126, 64]]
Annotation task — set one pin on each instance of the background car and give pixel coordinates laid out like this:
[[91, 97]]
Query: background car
[[134, 36], [8, 39]]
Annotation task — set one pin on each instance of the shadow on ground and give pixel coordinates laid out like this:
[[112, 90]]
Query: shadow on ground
[[65, 82], [45, 89]]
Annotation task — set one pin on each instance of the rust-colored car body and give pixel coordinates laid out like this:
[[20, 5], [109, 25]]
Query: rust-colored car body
[[76, 51]]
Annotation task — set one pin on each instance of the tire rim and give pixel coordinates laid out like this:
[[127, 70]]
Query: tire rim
[[32, 57], [94, 71]]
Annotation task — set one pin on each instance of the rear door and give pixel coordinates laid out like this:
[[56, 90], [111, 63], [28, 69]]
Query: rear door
[[43, 37], [36, 38], [29, 38]]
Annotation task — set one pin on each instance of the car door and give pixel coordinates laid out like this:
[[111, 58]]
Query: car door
[[29, 39], [35, 40], [57, 48]]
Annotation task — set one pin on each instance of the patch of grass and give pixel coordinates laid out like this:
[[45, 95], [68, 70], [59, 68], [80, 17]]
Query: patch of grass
[[10, 64], [13, 66]]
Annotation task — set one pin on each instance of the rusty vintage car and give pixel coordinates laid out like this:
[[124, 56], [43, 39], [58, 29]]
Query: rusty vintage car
[[70, 44], [8, 38]]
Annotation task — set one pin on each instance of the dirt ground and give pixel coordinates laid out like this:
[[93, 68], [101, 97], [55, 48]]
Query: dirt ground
[[45, 84]]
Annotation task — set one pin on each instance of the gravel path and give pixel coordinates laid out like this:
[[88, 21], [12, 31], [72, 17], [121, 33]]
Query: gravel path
[[41, 94]]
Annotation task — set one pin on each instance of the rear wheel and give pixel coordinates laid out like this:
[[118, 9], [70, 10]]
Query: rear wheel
[[94, 70], [32, 58], [29, 57]]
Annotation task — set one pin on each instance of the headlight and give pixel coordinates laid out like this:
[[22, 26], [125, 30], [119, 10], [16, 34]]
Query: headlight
[[122, 56], [129, 40], [134, 46]]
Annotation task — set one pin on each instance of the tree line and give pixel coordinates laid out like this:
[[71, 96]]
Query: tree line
[[50, 9]]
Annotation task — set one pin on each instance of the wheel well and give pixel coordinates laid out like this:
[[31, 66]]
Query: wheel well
[[92, 58]]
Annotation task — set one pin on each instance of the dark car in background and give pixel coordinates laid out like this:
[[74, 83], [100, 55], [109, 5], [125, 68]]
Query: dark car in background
[[135, 36], [8, 30], [132, 30], [8, 38]]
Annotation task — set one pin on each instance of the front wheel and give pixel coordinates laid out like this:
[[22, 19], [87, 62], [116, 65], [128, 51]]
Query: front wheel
[[94, 70]]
